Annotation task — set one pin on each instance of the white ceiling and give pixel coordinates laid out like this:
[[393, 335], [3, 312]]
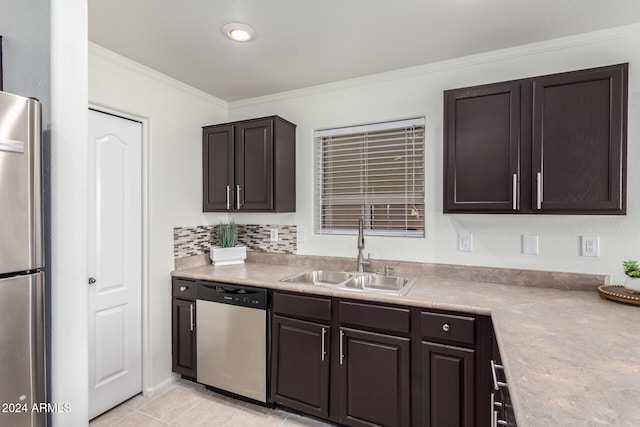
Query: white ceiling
[[302, 43]]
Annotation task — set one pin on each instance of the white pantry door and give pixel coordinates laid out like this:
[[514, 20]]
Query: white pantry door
[[115, 260]]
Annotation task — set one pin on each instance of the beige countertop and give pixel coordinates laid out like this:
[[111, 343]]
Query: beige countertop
[[571, 358]]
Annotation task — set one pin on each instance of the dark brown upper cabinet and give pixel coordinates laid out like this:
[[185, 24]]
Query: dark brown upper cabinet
[[482, 148], [553, 144], [249, 166]]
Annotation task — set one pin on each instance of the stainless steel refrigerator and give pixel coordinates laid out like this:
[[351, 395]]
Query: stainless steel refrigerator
[[22, 374]]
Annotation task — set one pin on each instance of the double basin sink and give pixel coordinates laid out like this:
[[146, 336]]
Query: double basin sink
[[346, 280]]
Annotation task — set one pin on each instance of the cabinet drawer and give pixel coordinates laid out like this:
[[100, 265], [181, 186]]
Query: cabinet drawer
[[185, 289], [448, 327], [302, 306], [374, 316]]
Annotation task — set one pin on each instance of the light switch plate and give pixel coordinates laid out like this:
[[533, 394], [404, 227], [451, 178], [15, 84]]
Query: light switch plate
[[530, 244], [590, 246], [274, 234], [465, 242], [301, 235]]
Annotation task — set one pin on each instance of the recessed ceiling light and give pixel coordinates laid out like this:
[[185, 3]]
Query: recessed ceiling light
[[239, 32]]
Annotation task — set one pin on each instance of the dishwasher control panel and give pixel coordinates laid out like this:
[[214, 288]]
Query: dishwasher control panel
[[244, 296]]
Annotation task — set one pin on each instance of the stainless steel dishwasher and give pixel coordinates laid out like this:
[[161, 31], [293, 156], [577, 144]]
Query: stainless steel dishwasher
[[232, 339]]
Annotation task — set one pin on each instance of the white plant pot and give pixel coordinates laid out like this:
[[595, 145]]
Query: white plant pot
[[228, 256], [632, 284]]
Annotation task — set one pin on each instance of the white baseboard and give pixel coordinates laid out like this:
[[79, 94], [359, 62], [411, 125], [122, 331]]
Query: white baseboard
[[161, 387]]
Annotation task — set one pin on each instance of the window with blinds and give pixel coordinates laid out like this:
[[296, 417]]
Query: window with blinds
[[374, 172]]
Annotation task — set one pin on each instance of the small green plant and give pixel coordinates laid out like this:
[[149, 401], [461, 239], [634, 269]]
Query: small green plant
[[631, 268], [227, 234]]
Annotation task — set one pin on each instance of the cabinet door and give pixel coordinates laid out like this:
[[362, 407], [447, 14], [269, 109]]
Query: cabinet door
[[579, 140], [184, 337], [482, 148], [254, 165], [374, 379], [218, 168], [447, 386], [300, 365]]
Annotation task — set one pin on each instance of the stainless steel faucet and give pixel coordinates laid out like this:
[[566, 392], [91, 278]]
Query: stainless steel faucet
[[360, 260]]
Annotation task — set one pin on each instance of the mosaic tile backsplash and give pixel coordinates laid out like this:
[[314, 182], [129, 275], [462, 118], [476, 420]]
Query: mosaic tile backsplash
[[188, 241]]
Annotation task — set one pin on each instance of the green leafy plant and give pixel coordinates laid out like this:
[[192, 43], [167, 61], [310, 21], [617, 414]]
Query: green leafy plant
[[631, 268], [227, 234]]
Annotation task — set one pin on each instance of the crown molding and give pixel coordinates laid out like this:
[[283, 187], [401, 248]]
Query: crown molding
[[109, 55], [595, 37]]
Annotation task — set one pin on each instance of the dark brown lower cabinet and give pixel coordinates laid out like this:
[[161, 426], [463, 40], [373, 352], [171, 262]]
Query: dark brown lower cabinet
[[374, 379], [447, 385], [359, 363], [184, 337], [300, 369]]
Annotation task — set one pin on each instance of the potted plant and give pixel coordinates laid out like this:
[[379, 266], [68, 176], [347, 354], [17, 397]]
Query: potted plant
[[632, 282], [227, 251]]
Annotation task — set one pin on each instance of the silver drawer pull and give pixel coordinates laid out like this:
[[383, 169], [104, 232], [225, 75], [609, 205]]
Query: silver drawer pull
[[183, 288], [446, 327]]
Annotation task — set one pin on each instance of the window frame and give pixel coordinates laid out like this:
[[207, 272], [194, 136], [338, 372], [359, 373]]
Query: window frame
[[368, 201]]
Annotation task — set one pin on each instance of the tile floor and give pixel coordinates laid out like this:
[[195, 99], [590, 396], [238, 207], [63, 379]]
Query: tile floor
[[189, 404]]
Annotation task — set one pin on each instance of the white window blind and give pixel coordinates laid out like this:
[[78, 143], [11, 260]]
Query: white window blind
[[374, 172]]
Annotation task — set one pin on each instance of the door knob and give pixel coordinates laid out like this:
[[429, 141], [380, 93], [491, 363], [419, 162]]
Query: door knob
[[92, 280]]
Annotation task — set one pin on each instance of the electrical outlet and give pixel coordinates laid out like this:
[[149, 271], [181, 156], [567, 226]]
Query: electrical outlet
[[301, 235], [465, 242], [590, 245], [274, 234], [530, 244]]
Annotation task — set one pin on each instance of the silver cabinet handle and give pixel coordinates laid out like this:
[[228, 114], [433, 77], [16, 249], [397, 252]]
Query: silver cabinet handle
[[493, 375], [183, 288], [324, 353], [496, 384], [539, 188], [493, 411], [341, 352], [191, 316], [92, 280], [228, 190], [515, 192], [238, 197], [494, 419], [446, 327]]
